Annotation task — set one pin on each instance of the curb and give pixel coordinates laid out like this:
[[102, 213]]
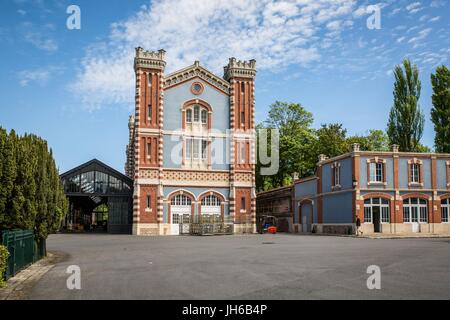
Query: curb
[[18, 287]]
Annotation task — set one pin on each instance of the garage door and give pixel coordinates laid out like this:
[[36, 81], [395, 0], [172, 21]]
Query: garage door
[[179, 206]]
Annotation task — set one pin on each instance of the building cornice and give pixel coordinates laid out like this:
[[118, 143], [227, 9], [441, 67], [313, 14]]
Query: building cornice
[[196, 71]]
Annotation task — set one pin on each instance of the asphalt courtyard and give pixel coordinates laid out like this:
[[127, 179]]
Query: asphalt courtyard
[[266, 266]]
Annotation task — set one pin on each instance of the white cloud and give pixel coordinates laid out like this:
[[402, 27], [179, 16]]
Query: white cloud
[[334, 25], [421, 35], [414, 7], [39, 76], [40, 41], [361, 11], [434, 19], [275, 33]]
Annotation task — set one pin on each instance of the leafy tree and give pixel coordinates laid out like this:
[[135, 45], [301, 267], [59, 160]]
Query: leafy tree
[[406, 120], [293, 123], [375, 140], [331, 140], [440, 112]]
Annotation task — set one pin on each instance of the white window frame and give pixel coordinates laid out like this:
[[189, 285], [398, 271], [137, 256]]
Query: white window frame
[[415, 211], [181, 200], [189, 115], [204, 116], [337, 174], [384, 211], [445, 210], [211, 201], [188, 151], [196, 114], [204, 148], [196, 149], [415, 173]]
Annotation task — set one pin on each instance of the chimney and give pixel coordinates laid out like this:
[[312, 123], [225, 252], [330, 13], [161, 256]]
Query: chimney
[[395, 148], [322, 157], [295, 176], [355, 147]]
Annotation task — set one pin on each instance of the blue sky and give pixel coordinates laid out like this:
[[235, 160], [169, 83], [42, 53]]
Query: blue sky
[[75, 87]]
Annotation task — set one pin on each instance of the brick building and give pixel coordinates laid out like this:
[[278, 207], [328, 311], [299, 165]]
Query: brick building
[[392, 192], [191, 146]]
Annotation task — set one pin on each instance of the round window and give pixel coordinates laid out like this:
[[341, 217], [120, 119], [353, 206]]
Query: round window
[[197, 88]]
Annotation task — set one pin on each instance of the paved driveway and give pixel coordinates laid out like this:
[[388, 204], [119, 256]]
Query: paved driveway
[[246, 267]]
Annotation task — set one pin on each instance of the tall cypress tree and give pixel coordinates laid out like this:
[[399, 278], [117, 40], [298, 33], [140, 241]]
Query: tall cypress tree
[[8, 178], [406, 120], [440, 112], [31, 193]]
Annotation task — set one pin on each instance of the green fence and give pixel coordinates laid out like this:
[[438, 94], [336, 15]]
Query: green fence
[[23, 249]]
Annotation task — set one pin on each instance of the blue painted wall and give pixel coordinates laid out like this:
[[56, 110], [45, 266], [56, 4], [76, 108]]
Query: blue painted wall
[[175, 97], [441, 171], [389, 172], [403, 168], [307, 189], [346, 175], [337, 208]]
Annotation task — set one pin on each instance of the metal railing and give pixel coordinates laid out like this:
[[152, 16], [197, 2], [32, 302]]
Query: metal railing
[[23, 249], [206, 225]]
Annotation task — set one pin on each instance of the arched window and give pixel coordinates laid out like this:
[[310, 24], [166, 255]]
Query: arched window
[[379, 206], [189, 115], [211, 200], [180, 200], [415, 210]]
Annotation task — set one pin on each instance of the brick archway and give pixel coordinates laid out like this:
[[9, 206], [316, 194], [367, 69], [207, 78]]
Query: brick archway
[[212, 193], [386, 196], [431, 216], [176, 193]]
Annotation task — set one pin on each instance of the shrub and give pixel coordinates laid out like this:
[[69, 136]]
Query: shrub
[[4, 254]]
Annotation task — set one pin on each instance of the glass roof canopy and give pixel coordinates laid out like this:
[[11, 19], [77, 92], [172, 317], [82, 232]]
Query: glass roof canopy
[[95, 178]]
